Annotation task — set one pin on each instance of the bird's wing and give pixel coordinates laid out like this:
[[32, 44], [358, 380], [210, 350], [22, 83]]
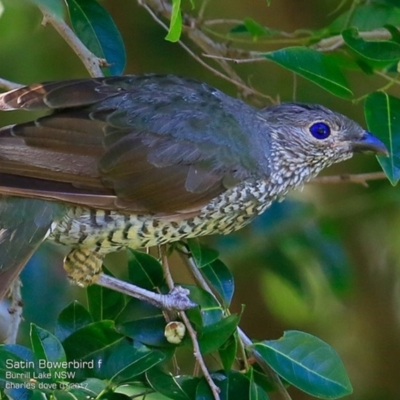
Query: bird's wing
[[157, 144], [24, 224]]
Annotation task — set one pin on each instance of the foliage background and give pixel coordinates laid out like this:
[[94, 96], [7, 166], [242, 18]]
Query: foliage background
[[354, 306]]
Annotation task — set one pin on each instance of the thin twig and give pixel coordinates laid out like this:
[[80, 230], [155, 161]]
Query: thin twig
[[191, 331], [392, 80], [361, 179], [91, 61], [15, 311], [286, 39], [222, 21], [235, 60], [198, 356]]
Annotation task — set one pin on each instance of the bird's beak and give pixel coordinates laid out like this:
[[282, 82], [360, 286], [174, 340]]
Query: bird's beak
[[369, 143]]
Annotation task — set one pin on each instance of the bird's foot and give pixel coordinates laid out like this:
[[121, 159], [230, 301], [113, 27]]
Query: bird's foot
[[176, 300], [83, 266]]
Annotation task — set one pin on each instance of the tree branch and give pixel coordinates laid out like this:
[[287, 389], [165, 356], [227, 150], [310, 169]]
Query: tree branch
[[334, 42], [91, 62], [177, 299], [361, 179]]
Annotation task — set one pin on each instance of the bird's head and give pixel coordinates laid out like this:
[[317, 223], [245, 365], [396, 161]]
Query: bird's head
[[307, 138]]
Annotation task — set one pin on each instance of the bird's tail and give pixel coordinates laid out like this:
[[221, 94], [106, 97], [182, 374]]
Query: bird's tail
[[24, 224]]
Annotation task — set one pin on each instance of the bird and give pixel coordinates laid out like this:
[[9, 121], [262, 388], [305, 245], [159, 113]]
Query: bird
[[144, 160]]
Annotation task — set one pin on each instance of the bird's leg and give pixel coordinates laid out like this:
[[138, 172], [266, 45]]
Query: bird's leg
[[84, 268]]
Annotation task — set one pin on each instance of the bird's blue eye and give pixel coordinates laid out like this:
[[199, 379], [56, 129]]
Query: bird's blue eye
[[320, 130]]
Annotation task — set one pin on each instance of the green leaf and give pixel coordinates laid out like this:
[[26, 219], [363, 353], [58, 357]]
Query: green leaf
[[15, 362], [233, 385], [125, 362], [55, 7], [135, 310], [256, 391], [317, 67], [239, 29], [220, 278], [175, 387], [48, 349], [377, 50], [227, 352], [149, 331], [91, 339], [201, 253], [18, 392], [346, 61], [212, 337], [254, 28], [394, 32], [175, 25], [208, 312], [92, 347], [63, 395], [203, 391], [144, 270], [366, 18], [382, 113], [110, 395], [90, 388], [96, 29], [394, 3], [72, 318], [307, 363], [261, 379]]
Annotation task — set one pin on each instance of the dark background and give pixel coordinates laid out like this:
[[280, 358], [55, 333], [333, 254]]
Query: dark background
[[359, 315]]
